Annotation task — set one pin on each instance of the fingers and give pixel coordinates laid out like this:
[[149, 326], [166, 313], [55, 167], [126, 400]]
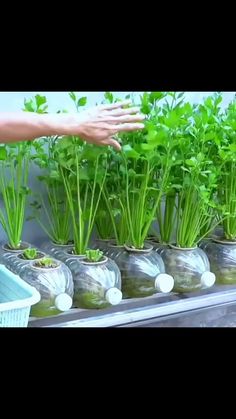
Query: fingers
[[112, 142], [128, 118], [127, 127], [115, 105], [122, 111]]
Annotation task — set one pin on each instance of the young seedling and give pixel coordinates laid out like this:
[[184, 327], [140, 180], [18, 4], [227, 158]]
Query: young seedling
[[30, 254], [94, 255], [46, 263]]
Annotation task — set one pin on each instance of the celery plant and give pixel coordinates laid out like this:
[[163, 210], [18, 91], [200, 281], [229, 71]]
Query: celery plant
[[83, 175], [14, 174]]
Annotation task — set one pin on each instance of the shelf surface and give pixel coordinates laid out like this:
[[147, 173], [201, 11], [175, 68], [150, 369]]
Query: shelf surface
[[216, 304]]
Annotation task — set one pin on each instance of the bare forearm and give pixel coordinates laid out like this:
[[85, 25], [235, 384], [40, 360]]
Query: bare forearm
[[28, 126], [96, 125]]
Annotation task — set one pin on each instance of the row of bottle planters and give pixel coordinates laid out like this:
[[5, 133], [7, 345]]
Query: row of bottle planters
[[122, 273]]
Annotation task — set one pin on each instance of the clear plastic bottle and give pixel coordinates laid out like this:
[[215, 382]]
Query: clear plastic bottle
[[157, 246], [53, 248], [6, 251], [217, 234], [142, 271], [101, 244], [55, 286], [222, 257], [15, 262], [190, 268], [96, 285]]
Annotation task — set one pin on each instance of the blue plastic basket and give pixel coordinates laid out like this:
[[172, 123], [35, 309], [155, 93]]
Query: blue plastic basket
[[16, 299]]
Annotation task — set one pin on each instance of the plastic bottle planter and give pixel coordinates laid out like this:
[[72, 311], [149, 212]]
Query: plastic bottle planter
[[22, 247], [55, 286], [222, 256], [142, 271], [16, 262], [6, 251], [190, 268], [157, 246], [53, 248], [217, 234], [100, 244], [96, 285]]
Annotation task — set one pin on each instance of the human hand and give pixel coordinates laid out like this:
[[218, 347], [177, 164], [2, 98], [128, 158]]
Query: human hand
[[99, 124]]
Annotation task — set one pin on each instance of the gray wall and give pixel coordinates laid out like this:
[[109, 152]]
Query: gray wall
[[13, 101]]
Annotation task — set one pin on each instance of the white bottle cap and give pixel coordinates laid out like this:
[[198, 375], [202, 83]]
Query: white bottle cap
[[113, 296], [164, 283], [208, 279], [63, 302]]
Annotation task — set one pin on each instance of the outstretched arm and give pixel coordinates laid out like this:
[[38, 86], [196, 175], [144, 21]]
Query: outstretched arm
[[96, 125]]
